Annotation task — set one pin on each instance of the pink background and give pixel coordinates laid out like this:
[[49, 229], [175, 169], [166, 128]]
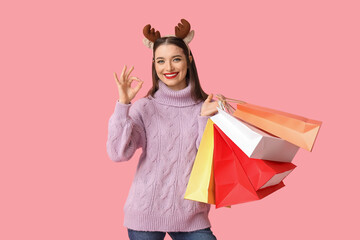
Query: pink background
[[58, 92]]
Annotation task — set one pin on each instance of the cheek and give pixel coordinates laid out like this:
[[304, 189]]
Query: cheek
[[157, 68], [184, 68], [181, 66]]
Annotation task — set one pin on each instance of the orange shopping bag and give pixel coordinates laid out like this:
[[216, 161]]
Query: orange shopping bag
[[298, 130]]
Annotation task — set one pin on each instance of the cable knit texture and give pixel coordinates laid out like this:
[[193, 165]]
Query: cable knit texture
[[168, 127]]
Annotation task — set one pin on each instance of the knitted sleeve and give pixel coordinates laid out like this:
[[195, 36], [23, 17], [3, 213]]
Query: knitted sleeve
[[125, 132]]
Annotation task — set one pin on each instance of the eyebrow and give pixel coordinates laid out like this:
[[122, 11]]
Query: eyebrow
[[172, 57]]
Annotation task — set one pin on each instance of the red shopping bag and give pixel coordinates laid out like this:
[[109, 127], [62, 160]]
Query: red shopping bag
[[232, 184], [261, 173]]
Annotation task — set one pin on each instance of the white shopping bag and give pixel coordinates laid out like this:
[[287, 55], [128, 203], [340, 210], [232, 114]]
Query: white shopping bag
[[254, 142]]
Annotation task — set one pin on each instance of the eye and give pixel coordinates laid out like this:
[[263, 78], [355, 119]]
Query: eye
[[177, 59], [160, 61]]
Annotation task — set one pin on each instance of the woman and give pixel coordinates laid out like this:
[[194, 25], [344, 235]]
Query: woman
[[167, 124]]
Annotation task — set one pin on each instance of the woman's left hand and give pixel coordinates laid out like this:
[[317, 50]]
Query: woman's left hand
[[209, 108]]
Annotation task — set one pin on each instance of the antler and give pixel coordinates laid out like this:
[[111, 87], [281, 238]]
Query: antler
[[150, 33], [182, 30]]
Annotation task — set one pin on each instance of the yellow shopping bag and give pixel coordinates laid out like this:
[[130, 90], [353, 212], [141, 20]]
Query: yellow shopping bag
[[201, 183]]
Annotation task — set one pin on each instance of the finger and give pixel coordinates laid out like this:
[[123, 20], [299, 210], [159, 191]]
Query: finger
[[132, 79], [137, 87], [123, 70], [214, 112], [116, 78], [128, 74], [214, 104], [210, 112], [209, 97], [122, 74]]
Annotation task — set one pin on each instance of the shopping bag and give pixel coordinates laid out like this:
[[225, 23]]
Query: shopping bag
[[298, 130], [232, 184], [254, 142], [261, 173], [201, 182]]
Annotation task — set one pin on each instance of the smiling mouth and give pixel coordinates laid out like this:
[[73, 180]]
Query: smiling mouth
[[171, 75]]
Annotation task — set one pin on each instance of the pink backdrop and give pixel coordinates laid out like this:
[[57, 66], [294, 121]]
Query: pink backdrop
[[58, 92]]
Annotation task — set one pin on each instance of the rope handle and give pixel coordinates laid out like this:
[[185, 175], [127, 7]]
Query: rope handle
[[225, 105]]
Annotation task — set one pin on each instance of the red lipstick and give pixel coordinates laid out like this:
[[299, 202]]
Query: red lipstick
[[172, 75]]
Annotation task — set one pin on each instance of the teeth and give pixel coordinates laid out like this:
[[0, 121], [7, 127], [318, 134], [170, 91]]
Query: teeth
[[170, 75]]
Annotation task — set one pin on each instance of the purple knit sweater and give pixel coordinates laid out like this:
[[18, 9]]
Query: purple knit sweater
[[168, 128]]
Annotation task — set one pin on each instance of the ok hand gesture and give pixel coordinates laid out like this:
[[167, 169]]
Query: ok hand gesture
[[126, 92]]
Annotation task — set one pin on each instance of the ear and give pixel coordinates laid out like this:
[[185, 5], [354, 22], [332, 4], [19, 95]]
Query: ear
[[190, 58]]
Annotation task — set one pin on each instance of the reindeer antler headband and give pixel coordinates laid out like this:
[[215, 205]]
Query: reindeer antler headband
[[182, 30]]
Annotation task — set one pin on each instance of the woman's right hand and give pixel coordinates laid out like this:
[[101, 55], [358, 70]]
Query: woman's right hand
[[126, 92]]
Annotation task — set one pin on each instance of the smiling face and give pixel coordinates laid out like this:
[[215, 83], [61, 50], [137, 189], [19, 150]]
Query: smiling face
[[171, 66]]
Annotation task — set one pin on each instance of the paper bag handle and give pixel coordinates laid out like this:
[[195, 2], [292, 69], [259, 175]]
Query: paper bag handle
[[225, 105]]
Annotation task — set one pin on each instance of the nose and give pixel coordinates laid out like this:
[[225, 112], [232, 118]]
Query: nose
[[169, 66]]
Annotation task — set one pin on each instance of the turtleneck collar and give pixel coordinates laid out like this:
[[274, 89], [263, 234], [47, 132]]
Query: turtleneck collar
[[180, 98]]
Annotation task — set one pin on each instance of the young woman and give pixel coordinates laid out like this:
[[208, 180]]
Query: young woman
[[168, 125]]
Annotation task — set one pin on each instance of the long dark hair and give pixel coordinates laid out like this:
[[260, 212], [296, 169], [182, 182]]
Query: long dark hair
[[191, 76]]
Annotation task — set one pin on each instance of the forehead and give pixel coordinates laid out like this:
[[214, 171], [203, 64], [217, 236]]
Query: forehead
[[168, 50]]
